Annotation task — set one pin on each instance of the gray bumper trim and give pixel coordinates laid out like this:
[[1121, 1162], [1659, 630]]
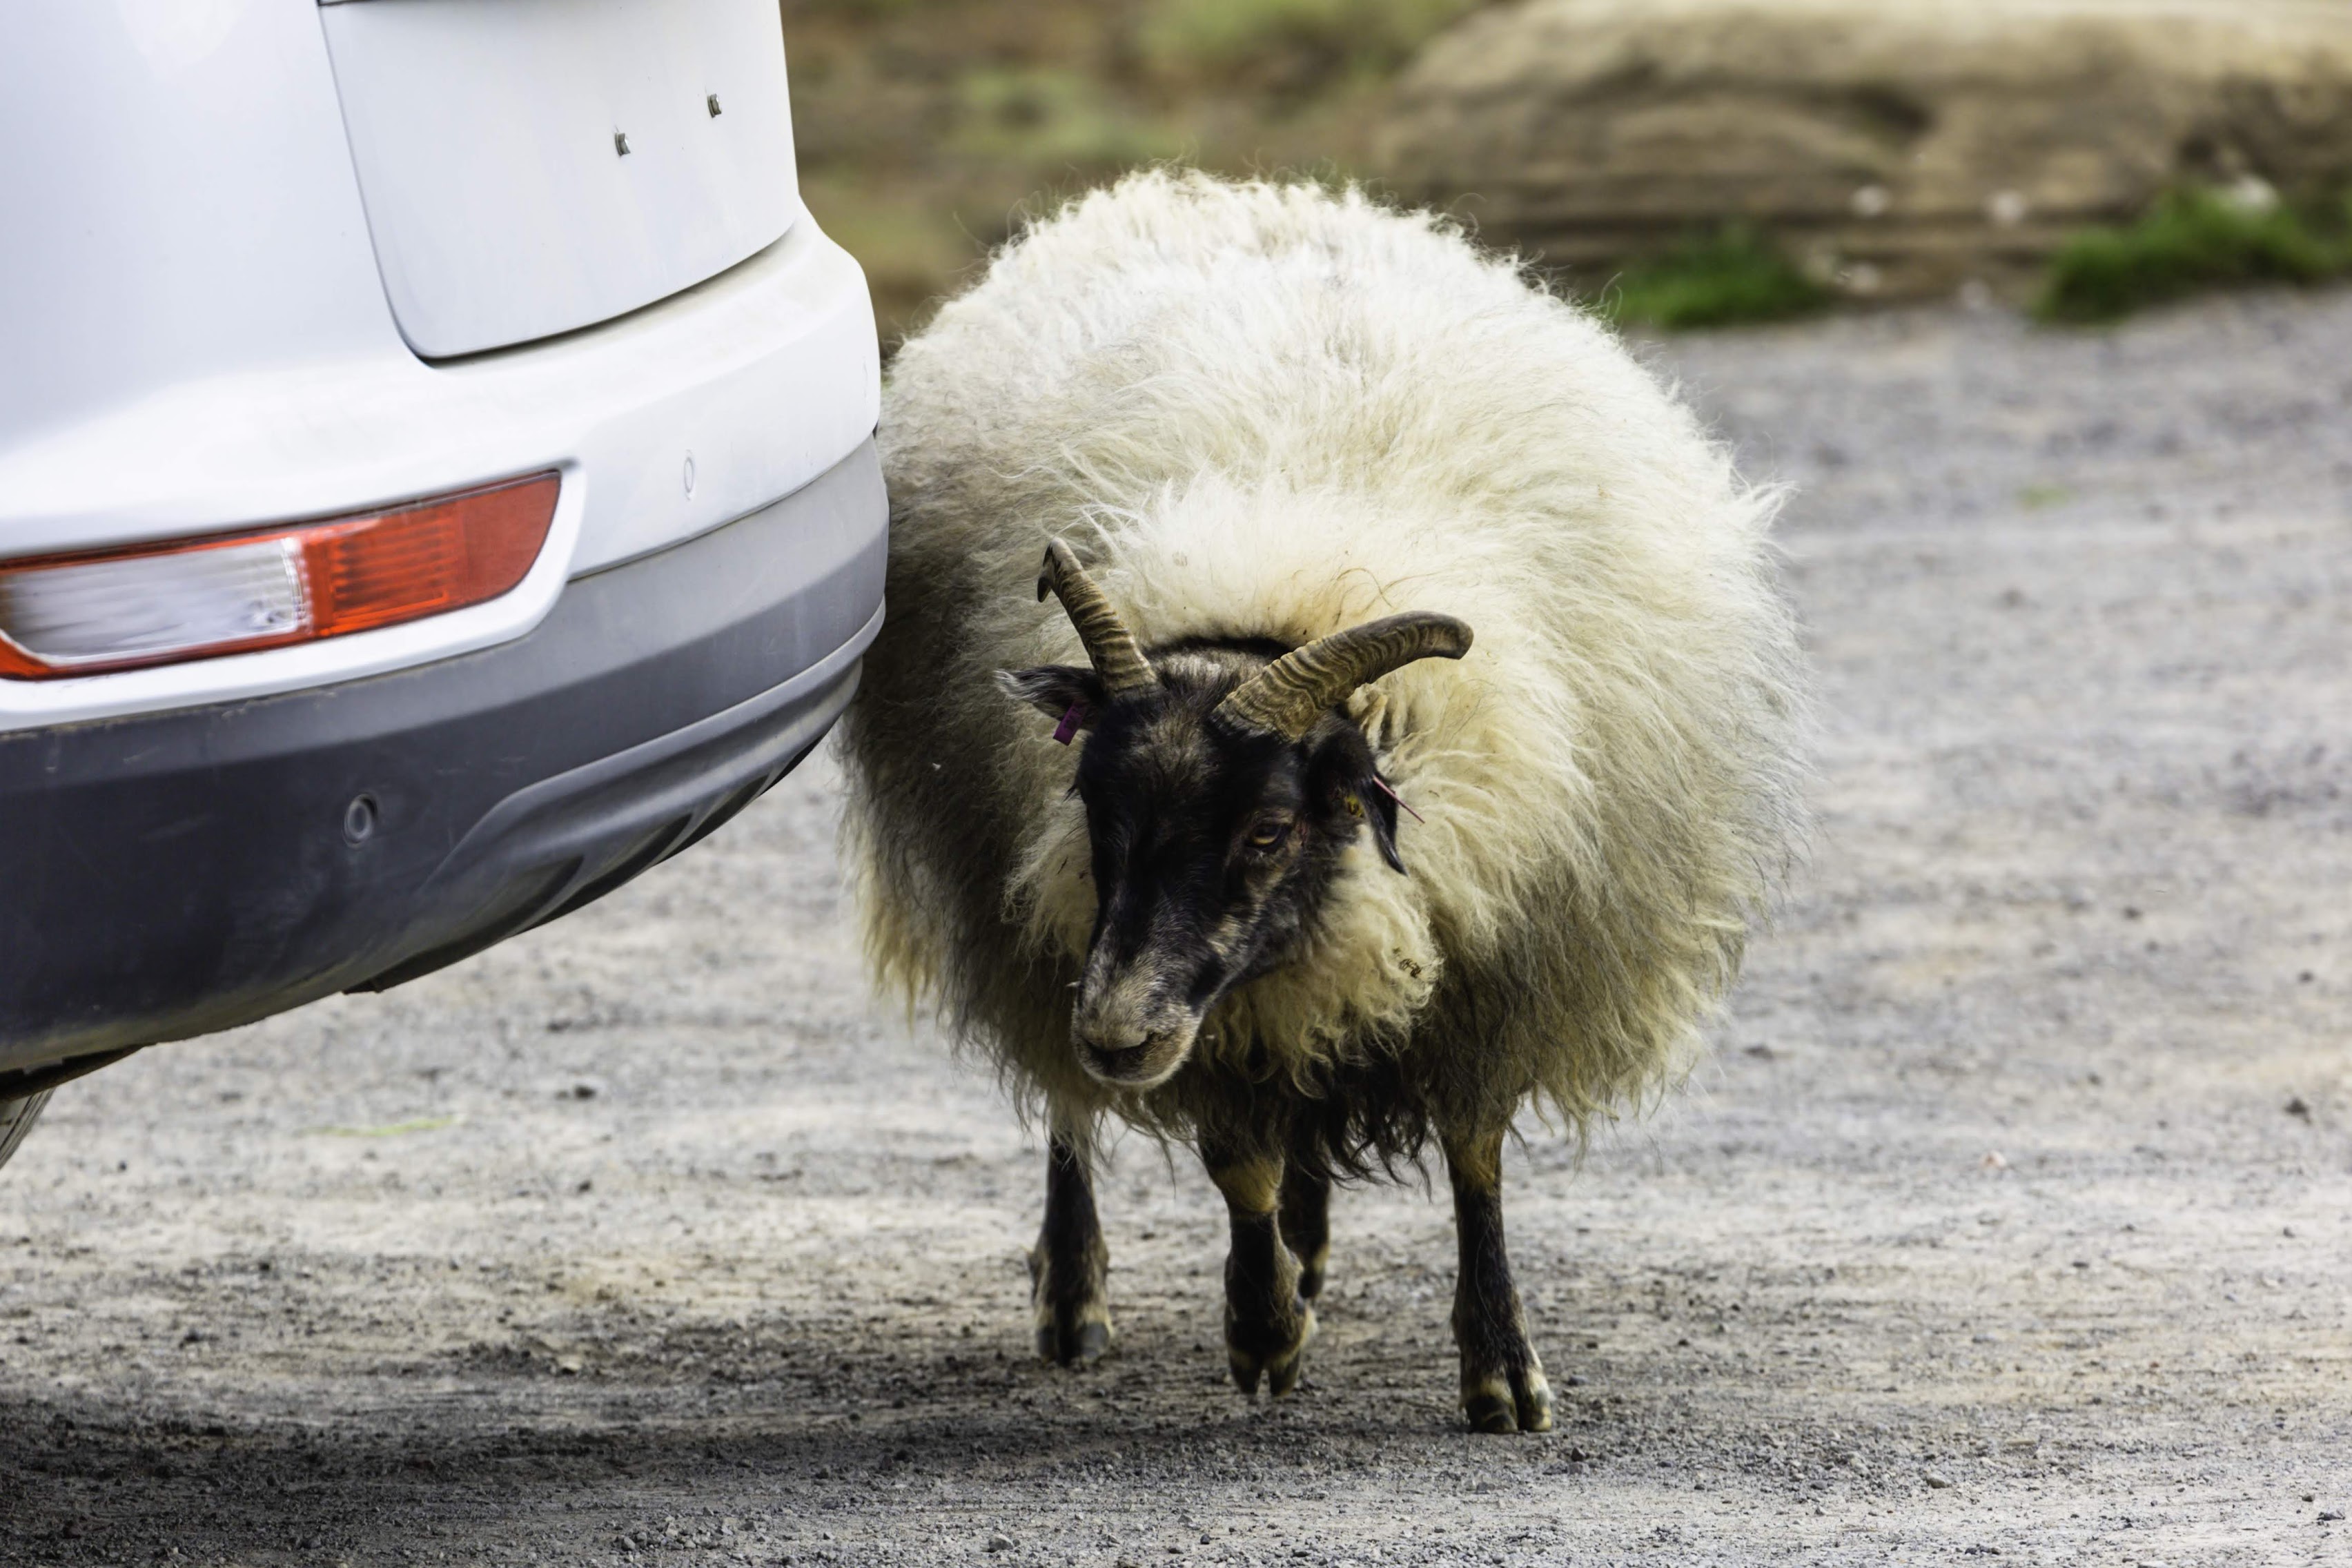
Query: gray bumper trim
[[170, 875]]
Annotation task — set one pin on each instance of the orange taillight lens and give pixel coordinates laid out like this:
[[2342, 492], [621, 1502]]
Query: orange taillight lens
[[160, 604]]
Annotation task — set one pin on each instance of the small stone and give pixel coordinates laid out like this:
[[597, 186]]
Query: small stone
[[1937, 1480], [1000, 1542], [2297, 1106]]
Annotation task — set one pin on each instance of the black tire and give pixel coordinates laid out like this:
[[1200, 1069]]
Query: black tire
[[16, 1118]]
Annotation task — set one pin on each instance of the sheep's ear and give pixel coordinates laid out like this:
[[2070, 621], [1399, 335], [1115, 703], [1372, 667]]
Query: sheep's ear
[[1346, 775], [1057, 690], [1382, 807]]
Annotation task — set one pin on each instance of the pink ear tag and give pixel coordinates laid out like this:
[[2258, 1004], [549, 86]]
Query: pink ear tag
[[1382, 785], [1069, 724]]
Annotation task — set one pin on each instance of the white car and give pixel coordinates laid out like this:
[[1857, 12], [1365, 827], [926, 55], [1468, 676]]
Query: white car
[[436, 483]]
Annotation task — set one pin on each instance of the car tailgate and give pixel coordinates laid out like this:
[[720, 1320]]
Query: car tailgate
[[533, 166]]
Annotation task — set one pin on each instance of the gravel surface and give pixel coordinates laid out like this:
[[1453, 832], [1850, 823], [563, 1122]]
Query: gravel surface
[[2013, 1217]]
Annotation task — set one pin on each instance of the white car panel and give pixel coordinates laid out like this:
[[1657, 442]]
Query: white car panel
[[532, 166], [177, 201]]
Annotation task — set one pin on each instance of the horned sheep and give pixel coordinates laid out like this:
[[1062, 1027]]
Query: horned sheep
[[1326, 878]]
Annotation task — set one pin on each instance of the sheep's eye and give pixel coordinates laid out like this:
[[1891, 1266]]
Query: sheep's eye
[[1268, 834]]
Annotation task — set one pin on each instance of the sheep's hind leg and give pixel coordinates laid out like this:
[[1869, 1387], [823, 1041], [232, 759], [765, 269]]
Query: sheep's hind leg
[[1268, 1321], [1503, 1387], [1069, 1267], [1306, 1225]]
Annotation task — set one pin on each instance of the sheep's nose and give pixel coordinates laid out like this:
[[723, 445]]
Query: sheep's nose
[[1114, 1049], [1119, 1061]]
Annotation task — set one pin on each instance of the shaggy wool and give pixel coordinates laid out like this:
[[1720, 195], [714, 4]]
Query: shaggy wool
[[1275, 410]]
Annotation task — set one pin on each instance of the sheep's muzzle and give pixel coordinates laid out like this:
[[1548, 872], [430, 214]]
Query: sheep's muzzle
[[1125, 1035]]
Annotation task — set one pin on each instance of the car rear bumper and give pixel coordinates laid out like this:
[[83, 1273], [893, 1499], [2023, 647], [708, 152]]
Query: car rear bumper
[[665, 425], [170, 875]]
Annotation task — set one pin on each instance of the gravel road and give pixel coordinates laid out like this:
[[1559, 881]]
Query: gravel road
[[2014, 1216]]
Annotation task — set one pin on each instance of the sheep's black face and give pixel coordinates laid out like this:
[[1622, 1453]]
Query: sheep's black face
[[1213, 851]]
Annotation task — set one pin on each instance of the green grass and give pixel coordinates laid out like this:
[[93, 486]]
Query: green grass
[[1291, 46], [390, 1129], [1731, 275], [2194, 240], [1056, 120]]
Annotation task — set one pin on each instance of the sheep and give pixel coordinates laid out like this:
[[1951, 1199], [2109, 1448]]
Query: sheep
[[1441, 720]]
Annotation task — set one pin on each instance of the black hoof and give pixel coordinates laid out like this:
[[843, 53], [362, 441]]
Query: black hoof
[[1079, 1344], [1280, 1369], [1500, 1405], [1491, 1411]]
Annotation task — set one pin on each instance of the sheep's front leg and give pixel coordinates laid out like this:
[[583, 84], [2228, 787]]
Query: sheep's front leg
[[1267, 1323], [1306, 1225], [1069, 1267], [1503, 1387]]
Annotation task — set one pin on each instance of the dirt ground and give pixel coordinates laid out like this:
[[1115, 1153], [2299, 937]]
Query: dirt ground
[[2013, 1218]]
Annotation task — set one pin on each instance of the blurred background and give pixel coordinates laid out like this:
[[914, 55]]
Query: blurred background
[[1682, 162]]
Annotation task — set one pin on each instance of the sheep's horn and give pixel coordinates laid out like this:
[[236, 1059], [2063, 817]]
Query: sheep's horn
[[1117, 657], [1287, 696]]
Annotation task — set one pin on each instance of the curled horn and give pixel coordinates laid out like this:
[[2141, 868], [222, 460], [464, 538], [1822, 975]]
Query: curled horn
[[1117, 657], [1287, 696]]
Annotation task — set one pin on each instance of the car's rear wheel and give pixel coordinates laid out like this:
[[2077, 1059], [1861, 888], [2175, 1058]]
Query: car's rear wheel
[[16, 1118]]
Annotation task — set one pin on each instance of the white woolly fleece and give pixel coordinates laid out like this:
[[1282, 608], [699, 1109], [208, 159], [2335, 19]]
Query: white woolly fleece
[[1271, 410]]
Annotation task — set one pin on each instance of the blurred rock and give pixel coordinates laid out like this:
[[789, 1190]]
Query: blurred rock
[[1903, 148]]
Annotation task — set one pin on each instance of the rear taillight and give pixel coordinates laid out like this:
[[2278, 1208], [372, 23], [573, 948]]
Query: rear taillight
[[196, 598]]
